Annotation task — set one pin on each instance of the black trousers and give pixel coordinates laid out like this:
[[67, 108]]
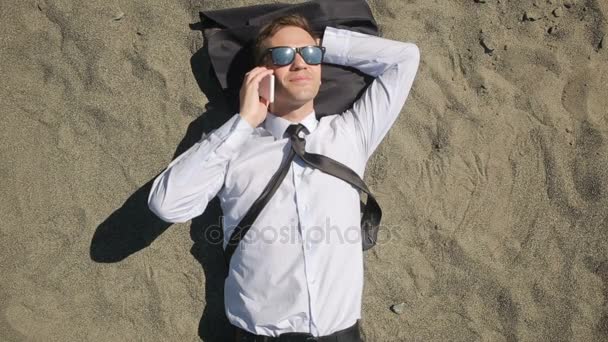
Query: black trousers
[[350, 334]]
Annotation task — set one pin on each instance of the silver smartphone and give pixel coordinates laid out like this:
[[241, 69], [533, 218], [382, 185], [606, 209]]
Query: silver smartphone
[[267, 88]]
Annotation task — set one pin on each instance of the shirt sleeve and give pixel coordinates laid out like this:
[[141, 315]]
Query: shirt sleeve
[[183, 190], [393, 64]]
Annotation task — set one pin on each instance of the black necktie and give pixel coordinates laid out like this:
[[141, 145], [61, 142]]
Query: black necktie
[[371, 210]]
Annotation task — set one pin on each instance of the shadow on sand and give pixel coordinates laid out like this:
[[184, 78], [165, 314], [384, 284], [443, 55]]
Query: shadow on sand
[[133, 227]]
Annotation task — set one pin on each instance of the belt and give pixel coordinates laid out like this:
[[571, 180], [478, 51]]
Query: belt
[[350, 334]]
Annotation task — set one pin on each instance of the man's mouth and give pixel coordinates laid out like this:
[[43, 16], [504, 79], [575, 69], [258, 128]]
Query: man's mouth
[[300, 79]]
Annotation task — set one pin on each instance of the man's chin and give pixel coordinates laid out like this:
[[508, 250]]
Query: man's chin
[[297, 98], [304, 96]]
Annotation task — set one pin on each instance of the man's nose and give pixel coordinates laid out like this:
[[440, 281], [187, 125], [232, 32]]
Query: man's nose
[[298, 62]]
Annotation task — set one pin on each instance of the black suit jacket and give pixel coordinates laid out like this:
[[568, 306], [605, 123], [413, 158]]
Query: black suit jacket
[[230, 34]]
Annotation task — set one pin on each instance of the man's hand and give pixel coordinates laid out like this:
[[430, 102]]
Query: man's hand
[[253, 107]]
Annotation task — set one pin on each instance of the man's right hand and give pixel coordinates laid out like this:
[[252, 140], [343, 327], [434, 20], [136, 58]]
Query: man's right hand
[[253, 108]]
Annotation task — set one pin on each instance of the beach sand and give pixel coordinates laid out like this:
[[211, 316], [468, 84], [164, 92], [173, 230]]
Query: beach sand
[[493, 180]]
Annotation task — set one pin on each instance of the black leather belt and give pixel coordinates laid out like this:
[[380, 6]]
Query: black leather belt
[[350, 334]]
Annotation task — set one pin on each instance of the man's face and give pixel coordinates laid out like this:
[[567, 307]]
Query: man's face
[[297, 83]]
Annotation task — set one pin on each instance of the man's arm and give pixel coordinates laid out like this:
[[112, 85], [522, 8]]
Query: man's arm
[[183, 190], [392, 63]]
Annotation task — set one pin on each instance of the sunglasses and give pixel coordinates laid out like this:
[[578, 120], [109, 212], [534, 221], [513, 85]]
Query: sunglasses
[[285, 55]]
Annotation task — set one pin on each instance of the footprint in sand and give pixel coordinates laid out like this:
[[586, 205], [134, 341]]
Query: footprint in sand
[[584, 98]]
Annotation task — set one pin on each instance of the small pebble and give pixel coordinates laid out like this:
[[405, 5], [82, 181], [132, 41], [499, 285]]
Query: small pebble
[[602, 42], [531, 16], [398, 308], [487, 47], [569, 3], [552, 30], [118, 16], [558, 12]]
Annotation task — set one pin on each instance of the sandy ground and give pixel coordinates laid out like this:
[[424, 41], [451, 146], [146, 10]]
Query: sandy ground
[[493, 181]]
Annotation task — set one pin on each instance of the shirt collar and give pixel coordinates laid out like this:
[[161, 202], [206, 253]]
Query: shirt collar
[[277, 125]]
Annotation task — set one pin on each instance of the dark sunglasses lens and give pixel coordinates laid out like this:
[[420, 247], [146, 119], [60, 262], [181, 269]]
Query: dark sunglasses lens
[[282, 56], [312, 54]]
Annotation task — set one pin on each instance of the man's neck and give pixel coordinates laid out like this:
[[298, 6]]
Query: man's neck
[[292, 114]]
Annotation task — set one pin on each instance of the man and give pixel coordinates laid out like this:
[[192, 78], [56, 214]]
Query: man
[[300, 267]]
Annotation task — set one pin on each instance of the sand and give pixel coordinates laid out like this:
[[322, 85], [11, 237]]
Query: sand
[[493, 181]]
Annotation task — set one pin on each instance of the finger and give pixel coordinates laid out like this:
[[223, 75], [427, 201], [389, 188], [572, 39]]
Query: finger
[[259, 76], [255, 79], [254, 72]]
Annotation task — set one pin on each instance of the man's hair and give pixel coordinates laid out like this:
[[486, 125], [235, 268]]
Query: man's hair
[[273, 27]]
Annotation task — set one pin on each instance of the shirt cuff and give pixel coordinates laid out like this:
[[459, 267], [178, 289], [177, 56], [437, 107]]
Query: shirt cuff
[[234, 135], [336, 43]]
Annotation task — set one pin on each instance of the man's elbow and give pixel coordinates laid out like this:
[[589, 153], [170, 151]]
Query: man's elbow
[[407, 67], [411, 55], [165, 212]]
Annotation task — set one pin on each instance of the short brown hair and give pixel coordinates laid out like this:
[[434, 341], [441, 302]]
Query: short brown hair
[[273, 27]]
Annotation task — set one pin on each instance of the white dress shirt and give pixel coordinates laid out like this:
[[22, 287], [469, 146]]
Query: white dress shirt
[[300, 267]]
